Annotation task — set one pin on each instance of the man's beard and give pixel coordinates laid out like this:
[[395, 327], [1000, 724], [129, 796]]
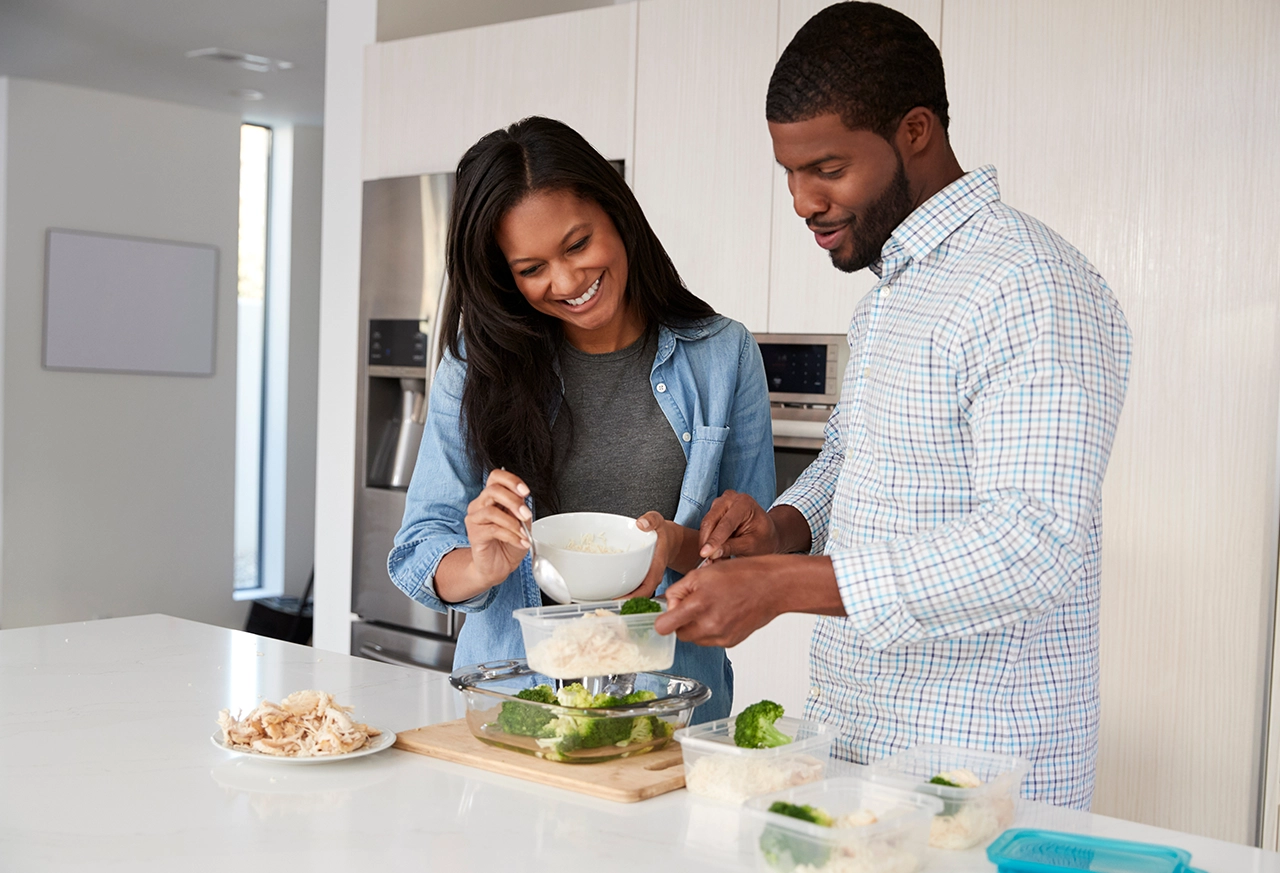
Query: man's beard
[[869, 232]]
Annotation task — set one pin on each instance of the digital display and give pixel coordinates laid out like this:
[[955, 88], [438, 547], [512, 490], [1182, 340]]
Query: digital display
[[795, 368]]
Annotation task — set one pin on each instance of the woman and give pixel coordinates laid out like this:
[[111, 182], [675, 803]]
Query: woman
[[579, 372]]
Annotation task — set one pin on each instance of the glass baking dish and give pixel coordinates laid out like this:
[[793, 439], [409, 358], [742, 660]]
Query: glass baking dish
[[574, 734]]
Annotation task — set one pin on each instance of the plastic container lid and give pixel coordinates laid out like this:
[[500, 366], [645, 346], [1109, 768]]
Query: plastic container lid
[[1035, 851]]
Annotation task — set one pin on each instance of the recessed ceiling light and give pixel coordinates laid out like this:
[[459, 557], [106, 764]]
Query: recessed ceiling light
[[247, 94], [256, 63]]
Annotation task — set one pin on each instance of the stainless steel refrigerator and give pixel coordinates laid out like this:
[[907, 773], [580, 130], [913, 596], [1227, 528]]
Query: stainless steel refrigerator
[[402, 291]]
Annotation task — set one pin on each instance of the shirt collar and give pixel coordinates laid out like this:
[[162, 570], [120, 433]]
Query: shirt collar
[[936, 219]]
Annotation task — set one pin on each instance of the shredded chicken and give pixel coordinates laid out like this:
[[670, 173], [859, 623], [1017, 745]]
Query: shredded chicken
[[974, 823], [306, 724], [597, 644]]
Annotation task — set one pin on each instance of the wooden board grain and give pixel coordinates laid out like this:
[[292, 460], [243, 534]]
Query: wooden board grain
[[625, 780]]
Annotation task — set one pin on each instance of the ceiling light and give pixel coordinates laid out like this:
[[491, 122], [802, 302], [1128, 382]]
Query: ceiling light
[[256, 63], [247, 94]]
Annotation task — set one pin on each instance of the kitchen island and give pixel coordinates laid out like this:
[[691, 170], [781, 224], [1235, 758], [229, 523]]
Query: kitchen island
[[106, 764]]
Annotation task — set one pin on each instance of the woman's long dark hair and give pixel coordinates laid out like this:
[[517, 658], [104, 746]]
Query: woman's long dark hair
[[509, 347]]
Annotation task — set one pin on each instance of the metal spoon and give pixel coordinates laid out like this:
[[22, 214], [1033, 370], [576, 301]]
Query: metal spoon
[[544, 572]]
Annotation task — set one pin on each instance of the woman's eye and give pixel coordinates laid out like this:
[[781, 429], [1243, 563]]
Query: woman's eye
[[529, 271], [580, 244]]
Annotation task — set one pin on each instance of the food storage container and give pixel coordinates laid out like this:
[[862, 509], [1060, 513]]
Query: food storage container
[[568, 733], [714, 767], [895, 840], [970, 816], [595, 575], [593, 639], [1035, 851]]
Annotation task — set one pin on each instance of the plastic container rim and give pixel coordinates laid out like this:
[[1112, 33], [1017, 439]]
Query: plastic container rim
[[758, 807], [884, 772], [693, 737]]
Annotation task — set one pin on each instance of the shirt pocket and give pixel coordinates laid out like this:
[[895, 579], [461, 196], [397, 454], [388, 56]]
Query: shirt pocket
[[702, 472]]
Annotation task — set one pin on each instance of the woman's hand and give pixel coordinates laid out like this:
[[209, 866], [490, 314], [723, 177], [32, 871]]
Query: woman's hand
[[498, 543], [676, 548]]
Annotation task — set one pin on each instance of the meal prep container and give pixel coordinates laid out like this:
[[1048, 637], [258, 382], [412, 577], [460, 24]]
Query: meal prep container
[[714, 767], [970, 816], [897, 842], [487, 687], [642, 649], [590, 575], [1035, 851]]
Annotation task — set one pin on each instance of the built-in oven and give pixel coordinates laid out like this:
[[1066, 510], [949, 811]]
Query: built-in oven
[[804, 371]]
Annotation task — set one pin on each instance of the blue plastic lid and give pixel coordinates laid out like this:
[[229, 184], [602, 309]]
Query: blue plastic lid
[[1034, 851]]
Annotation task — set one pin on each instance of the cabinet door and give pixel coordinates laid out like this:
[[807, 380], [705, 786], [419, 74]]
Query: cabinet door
[[702, 153], [808, 294], [429, 98]]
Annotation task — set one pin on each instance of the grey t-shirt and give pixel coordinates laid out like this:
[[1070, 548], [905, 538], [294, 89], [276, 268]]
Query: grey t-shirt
[[623, 456]]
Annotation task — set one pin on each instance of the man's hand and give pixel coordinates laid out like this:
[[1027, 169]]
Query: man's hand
[[724, 603], [736, 525]]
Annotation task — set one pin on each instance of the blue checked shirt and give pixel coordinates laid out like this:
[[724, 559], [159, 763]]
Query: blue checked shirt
[[958, 495]]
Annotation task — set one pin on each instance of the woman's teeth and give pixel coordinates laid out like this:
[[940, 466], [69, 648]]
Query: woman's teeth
[[587, 295]]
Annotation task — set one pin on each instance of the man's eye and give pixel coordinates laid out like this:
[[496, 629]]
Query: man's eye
[[580, 244], [831, 174]]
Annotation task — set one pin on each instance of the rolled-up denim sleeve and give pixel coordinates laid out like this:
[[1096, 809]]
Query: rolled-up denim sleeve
[[443, 483]]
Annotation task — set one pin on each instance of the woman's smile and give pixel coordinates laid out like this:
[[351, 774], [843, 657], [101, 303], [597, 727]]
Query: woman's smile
[[587, 297]]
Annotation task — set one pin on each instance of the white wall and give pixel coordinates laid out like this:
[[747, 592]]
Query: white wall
[[117, 488], [304, 354]]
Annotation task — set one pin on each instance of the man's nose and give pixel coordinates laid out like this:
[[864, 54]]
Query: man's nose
[[806, 198]]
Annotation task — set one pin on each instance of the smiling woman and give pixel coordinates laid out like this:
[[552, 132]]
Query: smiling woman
[[580, 372]]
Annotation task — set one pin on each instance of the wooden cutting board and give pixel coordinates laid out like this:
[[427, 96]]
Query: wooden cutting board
[[624, 780]]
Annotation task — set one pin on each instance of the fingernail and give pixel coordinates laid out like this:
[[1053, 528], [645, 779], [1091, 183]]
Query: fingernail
[[525, 513], [522, 489], [706, 551]]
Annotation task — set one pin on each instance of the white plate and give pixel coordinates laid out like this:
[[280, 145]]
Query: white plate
[[382, 741]]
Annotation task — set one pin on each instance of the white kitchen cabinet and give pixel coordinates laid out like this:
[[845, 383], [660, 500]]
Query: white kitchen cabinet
[[807, 294], [703, 159], [429, 98], [1144, 133]]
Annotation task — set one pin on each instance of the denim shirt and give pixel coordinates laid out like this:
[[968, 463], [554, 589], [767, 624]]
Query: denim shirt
[[709, 381]]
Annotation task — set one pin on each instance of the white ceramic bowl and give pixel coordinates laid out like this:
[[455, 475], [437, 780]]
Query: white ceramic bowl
[[592, 576]]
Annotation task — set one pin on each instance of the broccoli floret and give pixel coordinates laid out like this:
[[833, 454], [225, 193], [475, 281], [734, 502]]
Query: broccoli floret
[[754, 728], [585, 732], [569, 733], [639, 605], [575, 695], [639, 697], [942, 780], [524, 720], [786, 850]]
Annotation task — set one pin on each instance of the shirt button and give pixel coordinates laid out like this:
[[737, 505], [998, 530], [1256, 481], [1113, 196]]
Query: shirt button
[[662, 387], [685, 436], [815, 692], [866, 372]]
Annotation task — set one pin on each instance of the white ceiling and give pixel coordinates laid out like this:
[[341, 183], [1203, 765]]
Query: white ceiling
[[138, 46]]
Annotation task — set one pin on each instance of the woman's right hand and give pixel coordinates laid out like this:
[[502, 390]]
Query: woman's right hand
[[498, 543]]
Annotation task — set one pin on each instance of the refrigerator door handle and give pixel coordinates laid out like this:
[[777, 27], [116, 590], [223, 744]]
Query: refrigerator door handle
[[374, 652]]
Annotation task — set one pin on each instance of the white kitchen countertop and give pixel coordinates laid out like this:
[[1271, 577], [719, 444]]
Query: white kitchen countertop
[[106, 764]]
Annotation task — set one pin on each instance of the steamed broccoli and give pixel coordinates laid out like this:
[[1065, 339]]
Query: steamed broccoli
[[524, 720], [754, 728], [568, 733], [942, 780], [786, 849], [638, 605], [639, 697]]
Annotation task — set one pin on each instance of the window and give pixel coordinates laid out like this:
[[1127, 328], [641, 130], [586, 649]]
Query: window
[[251, 302]]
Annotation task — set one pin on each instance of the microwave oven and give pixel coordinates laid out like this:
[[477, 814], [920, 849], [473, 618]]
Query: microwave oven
[[804, 372]]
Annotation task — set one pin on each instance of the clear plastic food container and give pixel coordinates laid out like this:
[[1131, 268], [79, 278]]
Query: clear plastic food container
[[970, 816], [569, 733], [714, 767], [593, 639], [877, 828]]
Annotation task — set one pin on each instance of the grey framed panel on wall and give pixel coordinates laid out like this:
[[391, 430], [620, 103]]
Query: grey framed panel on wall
[[129, 305]]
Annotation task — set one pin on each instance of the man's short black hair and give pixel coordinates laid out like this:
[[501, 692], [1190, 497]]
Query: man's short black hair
[[869, 64]]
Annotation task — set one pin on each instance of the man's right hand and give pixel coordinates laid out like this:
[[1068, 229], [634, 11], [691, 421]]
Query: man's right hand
[[737, 526]]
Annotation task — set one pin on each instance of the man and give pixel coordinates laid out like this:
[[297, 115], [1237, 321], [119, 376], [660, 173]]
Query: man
[[953, 519]]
